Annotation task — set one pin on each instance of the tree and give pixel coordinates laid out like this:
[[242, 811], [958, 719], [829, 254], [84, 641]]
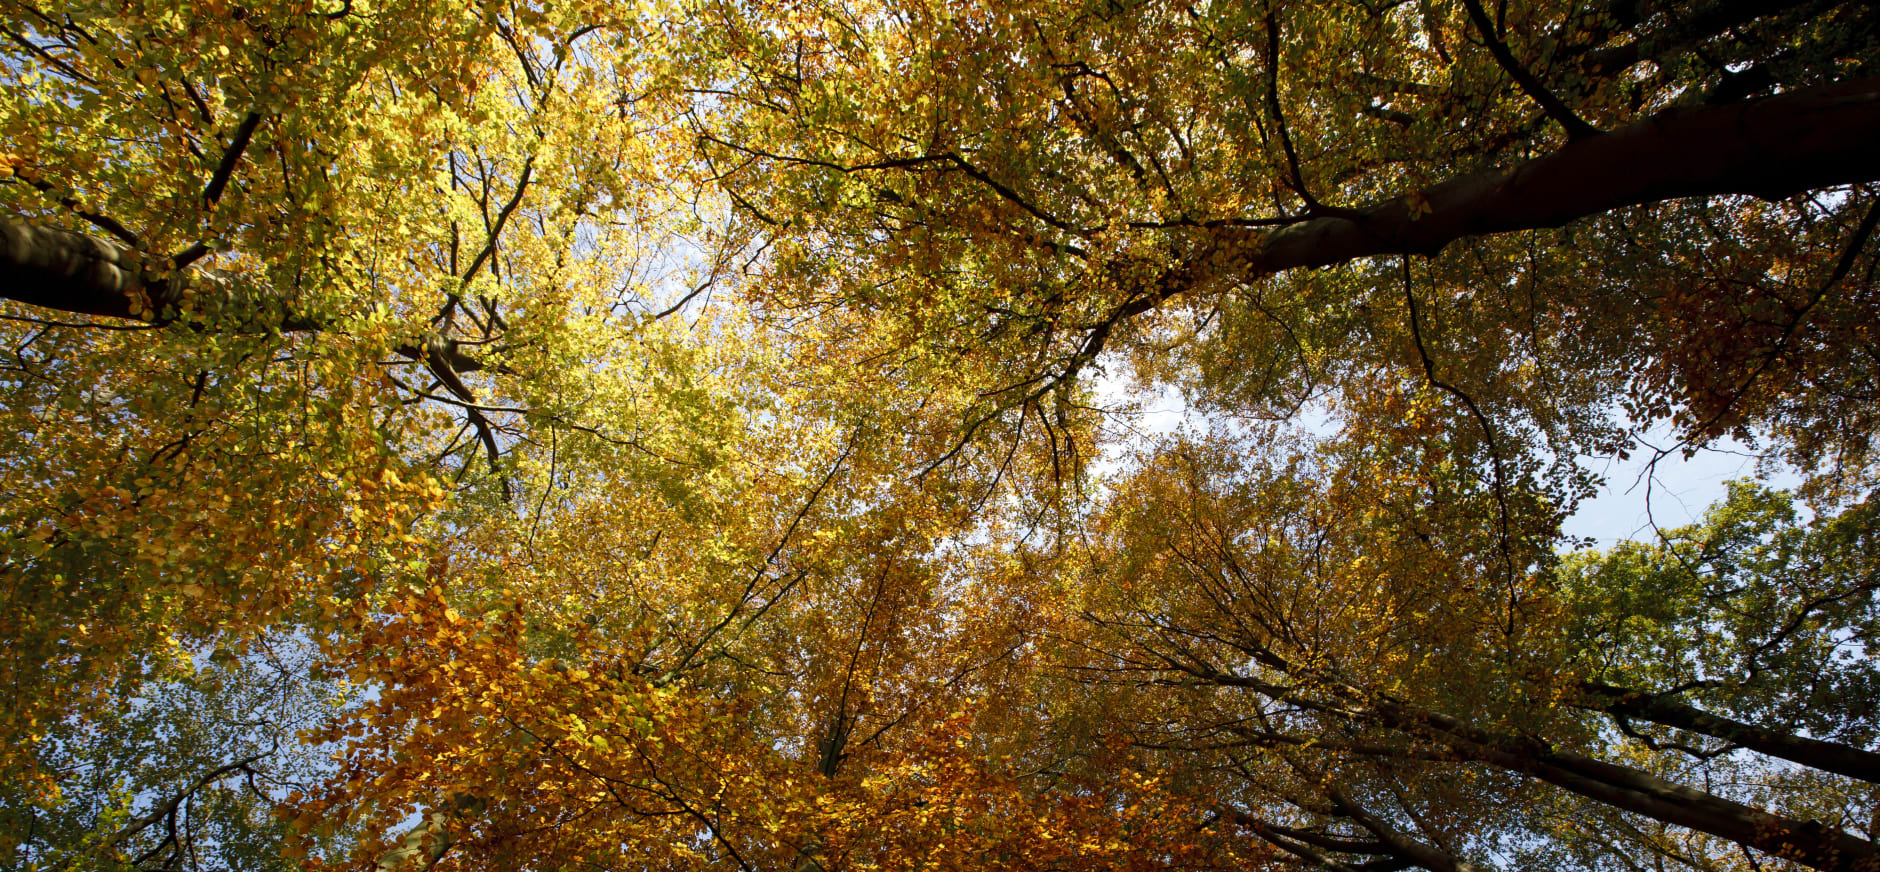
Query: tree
[[1768, 613], [256, 187], [184, 775], [682, 417], [1073, 191], [1329, 643]]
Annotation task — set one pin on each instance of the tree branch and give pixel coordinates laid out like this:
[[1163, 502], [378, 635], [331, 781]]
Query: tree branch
[[1400, 843], [1576, 127], [1770, 148], [230, 158], [71, 272], [1827, 756]]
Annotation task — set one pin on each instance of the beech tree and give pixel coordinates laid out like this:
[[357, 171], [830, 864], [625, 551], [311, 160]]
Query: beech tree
[[677, 422], [1340, 648]]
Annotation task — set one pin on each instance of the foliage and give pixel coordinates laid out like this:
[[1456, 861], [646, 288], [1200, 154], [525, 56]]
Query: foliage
[[701, 435], [184, 773], [1758, 616]]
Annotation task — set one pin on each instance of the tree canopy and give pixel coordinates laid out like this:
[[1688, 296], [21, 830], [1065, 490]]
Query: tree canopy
[[707, 435]]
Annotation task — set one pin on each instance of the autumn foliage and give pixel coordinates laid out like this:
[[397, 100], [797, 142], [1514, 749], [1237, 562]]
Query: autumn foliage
[[704, 435]]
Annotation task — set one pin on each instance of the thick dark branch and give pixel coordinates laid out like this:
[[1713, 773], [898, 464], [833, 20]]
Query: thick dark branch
[[230, 158], [1770, 148], [1313, 206], [1826, 756], [1297, 848], [168, 807], [224, 170], [1684, 27], [1623, 787], [1339, 844], [66, 271], [1804, 841], [1807, 842], [1087, 120], [96, 219], [47, 57], [502, 218], [438, 354]]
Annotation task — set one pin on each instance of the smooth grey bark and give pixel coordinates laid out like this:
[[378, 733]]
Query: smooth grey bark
[[424, 845], [66, 271]]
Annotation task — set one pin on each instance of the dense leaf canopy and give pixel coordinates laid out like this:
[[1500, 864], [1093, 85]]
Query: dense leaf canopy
[[706, 435]]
